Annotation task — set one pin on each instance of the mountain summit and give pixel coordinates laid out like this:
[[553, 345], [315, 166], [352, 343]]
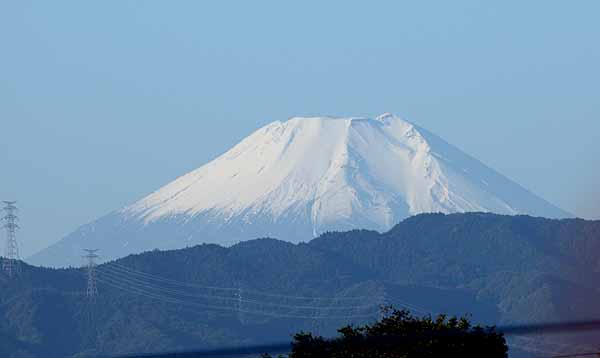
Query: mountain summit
[[298, 178]]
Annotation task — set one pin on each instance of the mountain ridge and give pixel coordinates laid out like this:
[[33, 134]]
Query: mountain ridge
[[298, 178], [502, 269]]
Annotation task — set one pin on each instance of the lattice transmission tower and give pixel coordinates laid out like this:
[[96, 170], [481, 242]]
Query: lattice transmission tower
[[11, 257], [92, 289]]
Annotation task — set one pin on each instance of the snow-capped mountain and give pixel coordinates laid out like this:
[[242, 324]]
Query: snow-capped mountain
[[298, 178]]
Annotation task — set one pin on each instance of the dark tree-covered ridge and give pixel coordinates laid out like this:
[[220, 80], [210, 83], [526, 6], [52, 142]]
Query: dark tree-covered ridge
[[500, 269]]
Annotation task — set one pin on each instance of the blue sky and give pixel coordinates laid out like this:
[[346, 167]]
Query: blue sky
[[104, 102]]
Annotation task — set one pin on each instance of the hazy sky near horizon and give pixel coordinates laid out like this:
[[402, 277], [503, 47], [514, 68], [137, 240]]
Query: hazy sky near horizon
[[104, 102]]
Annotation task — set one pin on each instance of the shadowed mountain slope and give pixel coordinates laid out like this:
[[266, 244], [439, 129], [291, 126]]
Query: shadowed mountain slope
[[502, 269]]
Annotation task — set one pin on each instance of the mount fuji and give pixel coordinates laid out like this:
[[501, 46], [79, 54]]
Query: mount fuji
[[298, 178]]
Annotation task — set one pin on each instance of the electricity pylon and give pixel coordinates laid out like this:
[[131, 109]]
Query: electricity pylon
[[92, 289], [10, 219]]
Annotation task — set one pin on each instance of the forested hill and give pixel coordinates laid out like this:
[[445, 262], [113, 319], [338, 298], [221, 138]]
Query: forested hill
[[501, 269]]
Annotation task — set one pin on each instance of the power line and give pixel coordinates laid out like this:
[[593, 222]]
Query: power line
[[151, 286], [234, 301], [153, 283], [233, 308], [232, 289], [177, 292], [237, 297]]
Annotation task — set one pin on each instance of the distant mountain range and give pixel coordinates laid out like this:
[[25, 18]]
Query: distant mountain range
[[294, 180], [501, 269]]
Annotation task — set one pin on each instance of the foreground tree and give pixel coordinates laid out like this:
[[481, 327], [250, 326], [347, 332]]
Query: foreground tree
[[400, 335]]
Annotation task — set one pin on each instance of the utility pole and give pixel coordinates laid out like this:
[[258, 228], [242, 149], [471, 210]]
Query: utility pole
[[238, 295], [10, 219], [92, 289]]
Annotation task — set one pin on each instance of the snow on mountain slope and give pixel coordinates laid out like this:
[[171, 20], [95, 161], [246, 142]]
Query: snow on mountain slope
[[298, 178]]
